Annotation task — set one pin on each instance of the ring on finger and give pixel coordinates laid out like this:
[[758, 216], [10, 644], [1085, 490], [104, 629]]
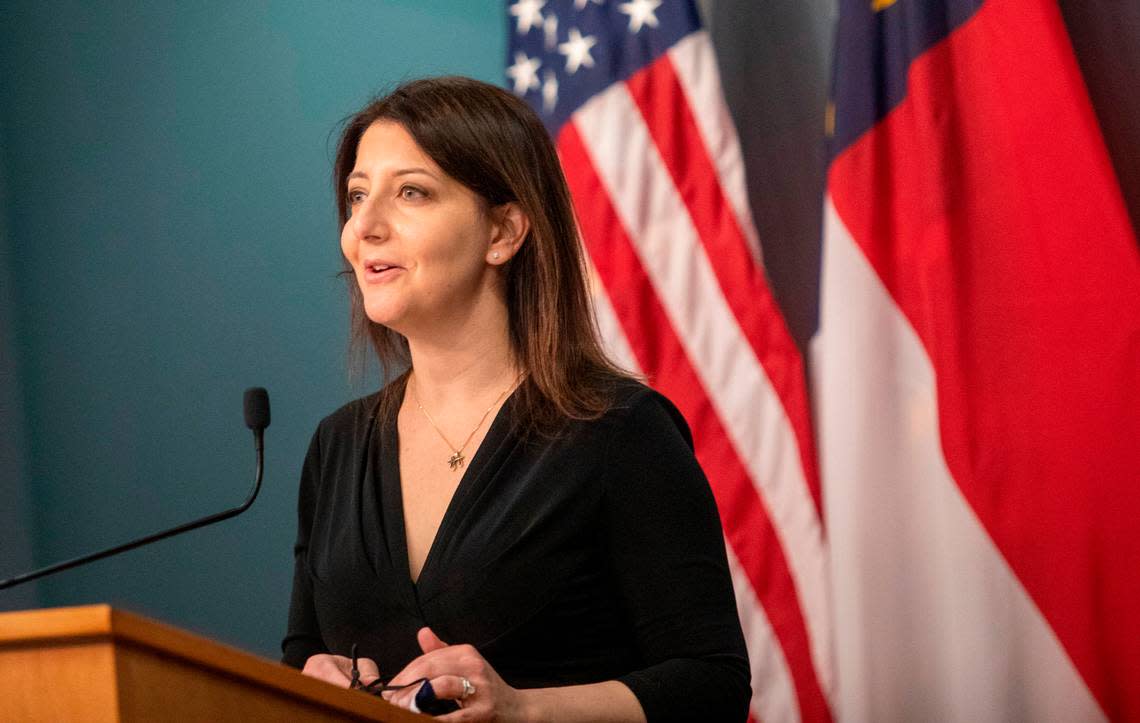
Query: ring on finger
[[468, 688]]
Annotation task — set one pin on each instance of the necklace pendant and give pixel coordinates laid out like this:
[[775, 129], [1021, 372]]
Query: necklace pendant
[[455, 461]]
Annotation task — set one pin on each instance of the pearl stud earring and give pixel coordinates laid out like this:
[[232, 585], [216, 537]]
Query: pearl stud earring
[[495, 255]]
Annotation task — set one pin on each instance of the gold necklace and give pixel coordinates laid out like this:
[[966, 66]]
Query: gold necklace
[[455, 461]]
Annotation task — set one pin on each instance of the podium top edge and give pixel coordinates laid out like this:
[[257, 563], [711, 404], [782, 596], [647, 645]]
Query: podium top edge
[[85, 621], [103, 623]]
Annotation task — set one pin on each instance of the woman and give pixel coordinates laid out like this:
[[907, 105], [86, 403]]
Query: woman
[[512, 493]]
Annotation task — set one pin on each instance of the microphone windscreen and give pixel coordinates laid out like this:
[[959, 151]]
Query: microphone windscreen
[[256, 408]]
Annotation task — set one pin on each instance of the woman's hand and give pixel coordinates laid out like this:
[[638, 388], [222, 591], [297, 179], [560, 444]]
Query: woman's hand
[[337, 669], [446, 666]]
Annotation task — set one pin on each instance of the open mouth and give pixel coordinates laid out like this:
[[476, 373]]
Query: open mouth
[[376, 272]]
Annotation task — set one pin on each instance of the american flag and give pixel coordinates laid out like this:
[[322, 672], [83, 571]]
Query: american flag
[[631, 93], [978, 374]]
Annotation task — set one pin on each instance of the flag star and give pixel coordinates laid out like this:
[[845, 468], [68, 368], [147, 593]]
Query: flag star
[[549, 91], [529, 13], [640, 12], [524, 72], [581, 4], [577, 51], [550, 30]]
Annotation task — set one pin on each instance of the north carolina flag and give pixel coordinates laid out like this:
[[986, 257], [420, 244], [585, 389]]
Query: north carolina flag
[[977, 373]]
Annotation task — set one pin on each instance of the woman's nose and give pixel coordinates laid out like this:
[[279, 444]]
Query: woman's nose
[[368, 221]]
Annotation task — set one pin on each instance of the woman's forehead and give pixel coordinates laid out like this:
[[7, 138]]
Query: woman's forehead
[[388, 146]]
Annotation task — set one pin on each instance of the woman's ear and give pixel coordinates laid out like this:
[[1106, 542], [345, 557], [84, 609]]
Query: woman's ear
[[511, 227]]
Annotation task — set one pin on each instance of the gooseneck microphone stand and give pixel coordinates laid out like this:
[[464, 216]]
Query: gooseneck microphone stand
[[257, 419]]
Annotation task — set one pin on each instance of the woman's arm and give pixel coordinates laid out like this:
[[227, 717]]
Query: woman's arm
[[667, 553], [608, 702], [303, 637]]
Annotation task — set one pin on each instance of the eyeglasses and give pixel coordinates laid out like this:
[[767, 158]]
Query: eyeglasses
[[426, 701], [377, 686]]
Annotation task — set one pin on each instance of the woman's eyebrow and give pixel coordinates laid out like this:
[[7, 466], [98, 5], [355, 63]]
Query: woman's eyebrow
[[415, 169], [401, 172]]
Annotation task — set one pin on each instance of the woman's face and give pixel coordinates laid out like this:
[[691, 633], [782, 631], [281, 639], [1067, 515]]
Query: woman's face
[[417, 239]]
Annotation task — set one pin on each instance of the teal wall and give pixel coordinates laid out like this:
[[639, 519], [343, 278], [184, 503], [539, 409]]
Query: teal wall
[[15, 506], [168, 239]]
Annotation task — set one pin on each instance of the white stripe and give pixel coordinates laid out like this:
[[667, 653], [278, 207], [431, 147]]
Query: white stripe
[[614, 341], [694, 61], [654, 215], [773, 690], [930, 621]]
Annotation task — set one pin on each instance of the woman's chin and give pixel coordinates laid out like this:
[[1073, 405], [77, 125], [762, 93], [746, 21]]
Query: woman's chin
[[385, 316]]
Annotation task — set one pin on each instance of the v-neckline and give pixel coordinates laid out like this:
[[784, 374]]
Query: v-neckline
[[393, 498]]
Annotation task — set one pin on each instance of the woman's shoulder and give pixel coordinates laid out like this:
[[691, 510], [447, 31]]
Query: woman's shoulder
[[637, 405], [628, 393], [351, 417]]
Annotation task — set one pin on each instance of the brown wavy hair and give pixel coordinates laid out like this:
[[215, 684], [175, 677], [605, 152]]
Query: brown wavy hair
[[493, 143]]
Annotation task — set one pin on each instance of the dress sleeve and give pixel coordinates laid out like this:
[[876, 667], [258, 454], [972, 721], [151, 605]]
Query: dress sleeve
[[666, 547], [303, 637]]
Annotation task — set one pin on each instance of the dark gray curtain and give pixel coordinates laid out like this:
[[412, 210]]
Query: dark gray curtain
[[775, 60], [1106, 38]]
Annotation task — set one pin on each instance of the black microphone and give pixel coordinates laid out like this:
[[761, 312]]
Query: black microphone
[[256, 418], [255, 405]]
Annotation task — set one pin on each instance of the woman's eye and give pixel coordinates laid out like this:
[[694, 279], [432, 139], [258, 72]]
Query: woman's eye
[[355, 197], [411, 193]]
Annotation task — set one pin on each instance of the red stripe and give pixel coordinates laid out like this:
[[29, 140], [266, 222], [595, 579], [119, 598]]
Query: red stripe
[[987, 204], [663, 358], [658, 93]]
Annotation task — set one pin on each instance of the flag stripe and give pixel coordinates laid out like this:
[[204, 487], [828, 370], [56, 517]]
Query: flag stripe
[[665, 111], [661, 354]]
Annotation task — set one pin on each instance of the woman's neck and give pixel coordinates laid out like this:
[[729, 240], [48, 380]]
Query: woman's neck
[[464, 365]]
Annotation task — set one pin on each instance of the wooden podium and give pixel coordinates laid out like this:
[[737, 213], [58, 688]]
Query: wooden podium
[[95, 663]]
